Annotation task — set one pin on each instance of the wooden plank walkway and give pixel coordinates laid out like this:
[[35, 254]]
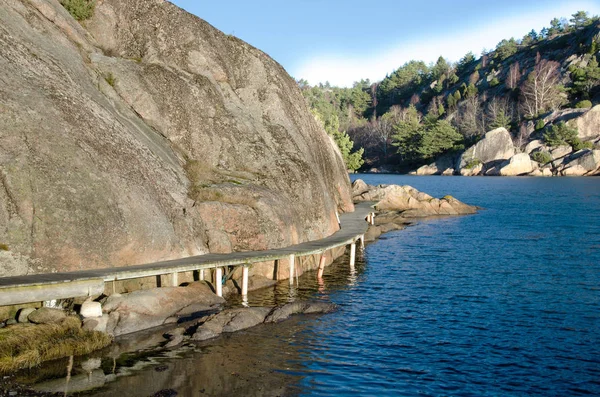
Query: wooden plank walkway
[[41, 287]]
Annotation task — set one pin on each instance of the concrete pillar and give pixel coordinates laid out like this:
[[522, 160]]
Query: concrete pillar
[[244, 281], [219, 281], [201, 274], [292, 268], [175, 279], [321, 266], [352, 254], [362, 242], [372, 218]]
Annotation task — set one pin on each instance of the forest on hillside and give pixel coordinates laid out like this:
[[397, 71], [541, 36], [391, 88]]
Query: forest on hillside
[[420, 111]]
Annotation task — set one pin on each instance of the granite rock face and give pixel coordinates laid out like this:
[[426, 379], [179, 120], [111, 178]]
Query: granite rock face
[[495, 145], [145, 134]]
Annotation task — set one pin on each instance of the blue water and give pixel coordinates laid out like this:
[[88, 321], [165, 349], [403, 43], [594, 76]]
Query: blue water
[[502, 303]]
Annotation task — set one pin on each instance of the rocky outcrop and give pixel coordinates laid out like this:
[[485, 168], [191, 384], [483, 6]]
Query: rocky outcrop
[[149, 136], [442, 166], [409, 201], [519, 164], [495, 145], [581, 163], [588, 124], [536, 144]]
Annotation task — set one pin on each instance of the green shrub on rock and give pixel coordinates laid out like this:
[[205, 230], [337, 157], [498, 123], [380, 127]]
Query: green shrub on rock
[[560, 134], [578, 144], [583, 104], [79, 9], [541, 157], [540, 124], [472, 164]]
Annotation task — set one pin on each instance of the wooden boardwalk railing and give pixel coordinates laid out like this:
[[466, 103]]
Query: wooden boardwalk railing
[[51, 286]]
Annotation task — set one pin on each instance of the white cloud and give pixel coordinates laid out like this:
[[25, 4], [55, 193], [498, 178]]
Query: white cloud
[[343, 70]]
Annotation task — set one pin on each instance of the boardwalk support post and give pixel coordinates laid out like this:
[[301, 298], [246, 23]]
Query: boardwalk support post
[[321, 266], [352, 254], [175, 279], [372, 218], [245, 282], [292, 266], [219, 281]]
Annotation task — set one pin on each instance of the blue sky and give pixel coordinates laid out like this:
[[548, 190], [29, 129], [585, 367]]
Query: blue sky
[[345, 41]]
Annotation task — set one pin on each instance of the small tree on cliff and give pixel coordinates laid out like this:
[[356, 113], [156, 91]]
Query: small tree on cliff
[[353, 160]]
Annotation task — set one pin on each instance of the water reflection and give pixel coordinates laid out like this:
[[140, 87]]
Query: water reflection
[[262, 361]]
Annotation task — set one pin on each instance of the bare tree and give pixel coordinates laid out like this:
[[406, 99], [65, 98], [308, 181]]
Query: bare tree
[[500, 112], [540, 92], [514, 76], [470, 118], [523, 135]]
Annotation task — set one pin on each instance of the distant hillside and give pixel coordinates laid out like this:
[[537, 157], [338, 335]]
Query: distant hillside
[[421, 111]]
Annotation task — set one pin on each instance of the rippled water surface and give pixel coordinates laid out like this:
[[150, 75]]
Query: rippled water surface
[[502, 303]]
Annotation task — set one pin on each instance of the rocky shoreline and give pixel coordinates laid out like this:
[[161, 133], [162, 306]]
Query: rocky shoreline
[[194, 313]]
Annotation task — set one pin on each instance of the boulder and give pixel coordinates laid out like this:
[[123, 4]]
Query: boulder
[[359, 187], [583, 162], [533, 145], [519, 164], [441, 165], [473, 171], [588, 124], [24, 313], [46, 315], [153, 307], [90, 308], [96, 323], [430, 169], [495, 145], [560, 151]]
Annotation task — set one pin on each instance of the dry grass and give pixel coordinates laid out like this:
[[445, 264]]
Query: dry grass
[[26, 346]]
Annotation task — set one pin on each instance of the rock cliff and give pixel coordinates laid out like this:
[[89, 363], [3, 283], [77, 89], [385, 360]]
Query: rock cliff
[[145, 134]]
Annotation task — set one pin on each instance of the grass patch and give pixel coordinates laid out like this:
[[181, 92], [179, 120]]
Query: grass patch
[[26, 346], [110, 79], [79, 9]]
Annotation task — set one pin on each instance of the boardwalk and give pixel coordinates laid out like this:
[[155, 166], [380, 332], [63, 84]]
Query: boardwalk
[[44, 287]]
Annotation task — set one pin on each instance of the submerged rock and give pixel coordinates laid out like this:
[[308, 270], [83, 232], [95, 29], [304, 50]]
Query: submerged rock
[[284, 312], [230, 321], [234, 320]]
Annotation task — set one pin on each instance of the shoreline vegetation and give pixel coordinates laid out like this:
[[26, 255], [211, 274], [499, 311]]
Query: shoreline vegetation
[[542, 89], [61, 333]]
